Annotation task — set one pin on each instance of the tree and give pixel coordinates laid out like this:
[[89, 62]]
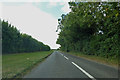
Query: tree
[[91, 28], [15, 42]]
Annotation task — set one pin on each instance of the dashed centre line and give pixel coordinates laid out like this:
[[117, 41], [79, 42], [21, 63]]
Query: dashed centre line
[[84, 71], [61, 54], [65, 57]]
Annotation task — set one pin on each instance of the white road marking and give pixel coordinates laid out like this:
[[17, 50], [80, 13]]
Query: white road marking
[[84, 71], [61, 54], [65, 57]]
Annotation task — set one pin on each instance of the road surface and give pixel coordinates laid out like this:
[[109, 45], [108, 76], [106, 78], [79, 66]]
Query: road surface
[[61, 65]]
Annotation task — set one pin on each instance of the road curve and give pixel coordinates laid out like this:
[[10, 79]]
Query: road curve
[[61, 65]]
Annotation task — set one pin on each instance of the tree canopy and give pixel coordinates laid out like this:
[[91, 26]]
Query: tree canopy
[[91, 28], [15, 42]]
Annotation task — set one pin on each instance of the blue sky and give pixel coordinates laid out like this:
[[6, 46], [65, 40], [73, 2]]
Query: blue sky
[[53, 9], [38, 19]]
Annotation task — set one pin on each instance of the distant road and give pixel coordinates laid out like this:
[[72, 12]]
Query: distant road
[[60, 65]]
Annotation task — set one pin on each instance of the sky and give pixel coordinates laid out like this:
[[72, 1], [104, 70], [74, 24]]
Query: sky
[[38, 19]]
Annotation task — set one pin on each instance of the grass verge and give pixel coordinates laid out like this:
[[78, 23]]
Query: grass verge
[[99, 59], [17, 65]]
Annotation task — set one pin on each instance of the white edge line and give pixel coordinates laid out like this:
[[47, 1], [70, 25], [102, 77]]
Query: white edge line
[[84, 71], [65, 57]]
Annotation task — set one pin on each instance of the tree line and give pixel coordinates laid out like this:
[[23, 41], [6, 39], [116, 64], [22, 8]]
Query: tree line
[[15, 42], [91, 28]]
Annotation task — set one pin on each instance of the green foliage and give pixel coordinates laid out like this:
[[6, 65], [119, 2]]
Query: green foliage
[[16, 64], [15, 42], [91, 28]]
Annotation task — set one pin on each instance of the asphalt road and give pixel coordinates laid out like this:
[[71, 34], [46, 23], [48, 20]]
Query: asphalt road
[[61, 65]]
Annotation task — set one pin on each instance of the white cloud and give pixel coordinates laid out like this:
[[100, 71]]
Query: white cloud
[[66, 8], [31, 20], [62, 3], [0, 9], [35, 0], [53, 3]]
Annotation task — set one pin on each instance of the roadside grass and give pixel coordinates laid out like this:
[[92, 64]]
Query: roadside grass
[[107, 61], [0, 66], [16, 65]]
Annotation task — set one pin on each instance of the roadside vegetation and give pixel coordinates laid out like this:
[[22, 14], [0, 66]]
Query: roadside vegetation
[[99, 59], [20, 51], [15, 42], [16, 65], [91, 29]]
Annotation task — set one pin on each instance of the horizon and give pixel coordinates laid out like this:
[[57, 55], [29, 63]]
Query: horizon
[[38, 20]]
